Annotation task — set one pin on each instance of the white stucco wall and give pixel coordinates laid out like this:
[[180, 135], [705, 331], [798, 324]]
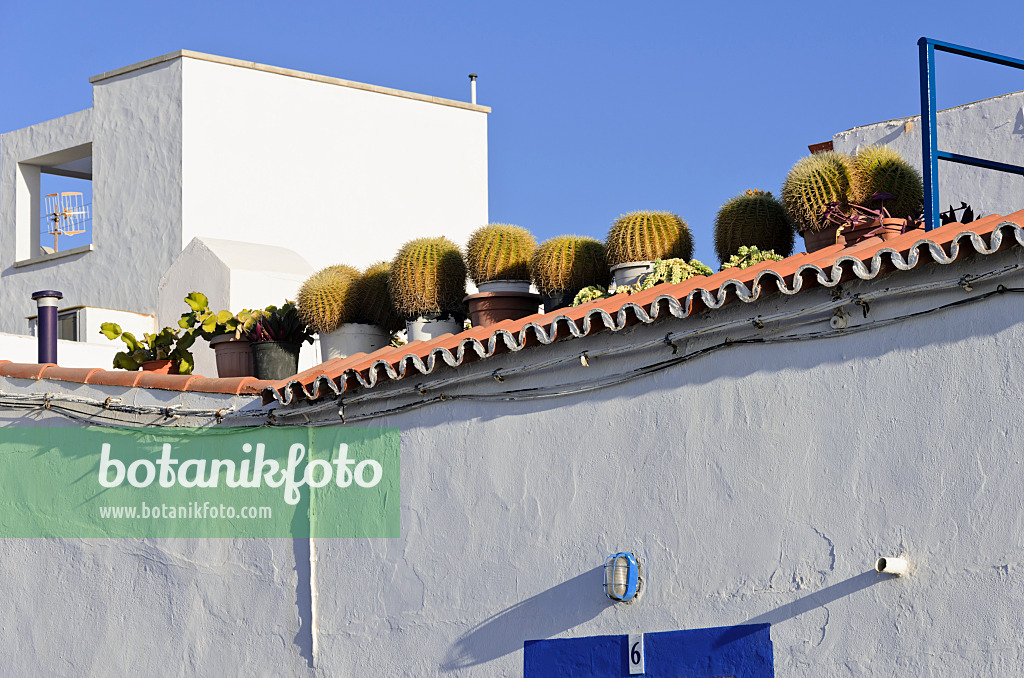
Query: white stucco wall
[[233, 276], [338, 174], [992, 129], [758, 484]]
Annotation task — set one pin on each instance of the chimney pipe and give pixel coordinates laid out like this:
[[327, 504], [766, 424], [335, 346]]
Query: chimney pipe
[[472, 88], [46, 324]]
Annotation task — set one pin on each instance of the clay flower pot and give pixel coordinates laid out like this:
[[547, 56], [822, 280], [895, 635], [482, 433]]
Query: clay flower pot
[[160, 366]]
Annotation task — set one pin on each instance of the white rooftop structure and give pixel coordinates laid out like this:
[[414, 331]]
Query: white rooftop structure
[[190, 144]]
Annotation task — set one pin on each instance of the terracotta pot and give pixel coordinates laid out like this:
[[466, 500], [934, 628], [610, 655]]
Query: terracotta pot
[[234, 356], [160, 366], [893, 227], [817, 240], [491, 308]]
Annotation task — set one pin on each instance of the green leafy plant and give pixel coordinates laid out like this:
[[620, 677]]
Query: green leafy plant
[[500, 252], [815, 182], [749, 256], [166, 344], [646, 236], [327, 299], [280, 323], [669, 271], [373, 302], [882, 170], [754, 218], [569, 262], [208, 324], [588, 294], [428, 277]]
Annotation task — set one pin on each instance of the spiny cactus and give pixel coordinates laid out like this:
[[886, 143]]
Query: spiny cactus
[[753, 218], [374, 305], [813, 183], [569, 262], [428, 275], [881, 169], [325, 300], [500, 252], [646, 236]]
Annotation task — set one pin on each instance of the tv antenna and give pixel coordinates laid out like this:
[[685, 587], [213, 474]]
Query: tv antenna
[[65, 215]]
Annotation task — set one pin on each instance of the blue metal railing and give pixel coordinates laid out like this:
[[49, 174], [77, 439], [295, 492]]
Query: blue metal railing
[[929, 142]]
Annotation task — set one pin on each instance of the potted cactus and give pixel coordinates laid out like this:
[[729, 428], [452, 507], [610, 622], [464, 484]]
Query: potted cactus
[[330, 303], [276, 338], [753, 219], [813, 185], [498, 260], [427, 282], [636, 239], [564, 265], [227, 333]]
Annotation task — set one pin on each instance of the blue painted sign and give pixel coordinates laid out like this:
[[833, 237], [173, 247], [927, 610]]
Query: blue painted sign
[[722, 652]]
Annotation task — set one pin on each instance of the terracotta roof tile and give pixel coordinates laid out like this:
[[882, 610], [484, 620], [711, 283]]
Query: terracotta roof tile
[[865, 260], [24, 370]]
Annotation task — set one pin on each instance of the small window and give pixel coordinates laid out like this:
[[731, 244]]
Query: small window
[[67, 326]]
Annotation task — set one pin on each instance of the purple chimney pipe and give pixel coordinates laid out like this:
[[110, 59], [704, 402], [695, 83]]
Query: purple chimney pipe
[[46, 324]]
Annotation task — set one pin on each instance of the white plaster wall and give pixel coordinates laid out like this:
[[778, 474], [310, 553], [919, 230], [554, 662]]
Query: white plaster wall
[[340, 175], [21, 348], [992, 129], [234, 276], [757, 484], [135, 129]]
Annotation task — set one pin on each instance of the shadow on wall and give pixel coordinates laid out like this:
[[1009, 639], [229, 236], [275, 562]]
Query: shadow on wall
[[546, 614], [809, 602]]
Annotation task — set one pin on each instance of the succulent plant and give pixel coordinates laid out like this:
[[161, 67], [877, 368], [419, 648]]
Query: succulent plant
[[749, 256], [373, 303], [588, 294], [646, 236], [754, 218], [280, 323], [881, 169], [813, 183], [428, 276], [568, 263], [326, 300], [166, 344], [500, 252], [670, 271]]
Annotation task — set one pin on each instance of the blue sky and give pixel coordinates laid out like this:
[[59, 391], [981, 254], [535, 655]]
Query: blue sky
[[598, 108]]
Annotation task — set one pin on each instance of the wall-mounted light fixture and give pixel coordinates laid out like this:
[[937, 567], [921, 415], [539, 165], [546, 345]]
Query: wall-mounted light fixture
[[623, 579], [896, 566]]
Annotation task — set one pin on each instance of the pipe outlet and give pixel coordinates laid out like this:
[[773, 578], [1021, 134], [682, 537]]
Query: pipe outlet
[[895, 566]]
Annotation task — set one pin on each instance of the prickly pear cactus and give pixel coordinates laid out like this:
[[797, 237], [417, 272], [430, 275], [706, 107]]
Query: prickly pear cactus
[[325, 300], [646, 236], [813, 183], [428, 275], [374, 305], [754, 218], [500, 252], [569, 262], [883, 170]]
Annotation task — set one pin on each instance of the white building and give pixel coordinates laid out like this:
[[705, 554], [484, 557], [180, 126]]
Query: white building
[[757, 438], [192, 145], [992, 129]]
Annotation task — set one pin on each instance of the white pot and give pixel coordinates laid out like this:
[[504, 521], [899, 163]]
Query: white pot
[[427, 330], [504, 286], [631, 271], [352, 338]]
